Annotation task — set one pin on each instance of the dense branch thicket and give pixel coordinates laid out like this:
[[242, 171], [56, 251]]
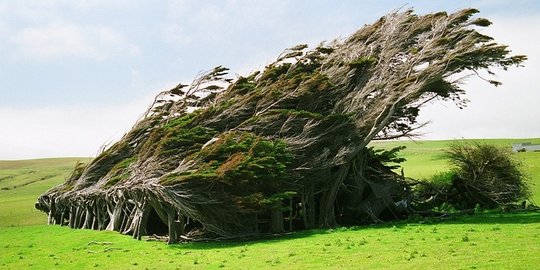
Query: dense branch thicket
[[482, 175], [284, 148], [486, 175]]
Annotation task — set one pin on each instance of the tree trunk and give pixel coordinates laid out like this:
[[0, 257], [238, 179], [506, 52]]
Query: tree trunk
[[52, 210], [327, 217], [72, 217], [276, 218], [62, 217], [116, 217], [175, 227], [308, 208], [290, 213], [146, 208], [89, 218]]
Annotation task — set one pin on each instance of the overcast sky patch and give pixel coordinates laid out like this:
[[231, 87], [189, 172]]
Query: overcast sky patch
[[77, 74]]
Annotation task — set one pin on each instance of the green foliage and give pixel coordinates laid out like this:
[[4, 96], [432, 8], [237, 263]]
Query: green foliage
[[255, 170], [276, 199], [483, 176], [315, 94], [244, 85], [426, 159], [245, 162], [175, 178], [442, 88], [181, 122], [363, 62], [445, 207], [481, 22], [185, 140], [443, 180], [120, 171], [296, 113], [487, 175], [330, 105], [73, 177], [77, 171], [438, 193], [103, 164], [272, 73], [179, 136], [391, 158]]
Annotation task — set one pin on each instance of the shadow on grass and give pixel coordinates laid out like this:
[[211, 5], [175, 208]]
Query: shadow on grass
[[248, 242], [483, 218], [499, 218]]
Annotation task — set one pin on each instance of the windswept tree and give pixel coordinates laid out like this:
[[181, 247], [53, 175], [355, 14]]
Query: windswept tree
[[284, 148]]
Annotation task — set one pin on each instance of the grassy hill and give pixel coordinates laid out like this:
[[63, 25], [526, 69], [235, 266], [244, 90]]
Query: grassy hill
[[483, 241], [22, 181], [426, 158]]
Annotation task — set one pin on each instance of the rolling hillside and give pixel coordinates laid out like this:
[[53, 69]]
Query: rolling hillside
[[483, 241], [426, 158], [22, 181]]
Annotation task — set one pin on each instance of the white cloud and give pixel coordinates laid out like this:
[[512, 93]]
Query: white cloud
[[46, 5], [177, 34], [90, 4], [54, 40], [60, 39], [189, 20], [47, 30], [43, 11], [64, 131]]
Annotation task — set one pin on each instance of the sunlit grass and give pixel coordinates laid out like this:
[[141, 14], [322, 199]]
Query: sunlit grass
[[427, 158], [485, 241], [488, 241], [22, 181]]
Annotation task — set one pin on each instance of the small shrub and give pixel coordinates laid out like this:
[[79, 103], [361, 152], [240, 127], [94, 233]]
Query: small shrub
[[445, 207], [363, 62], [443, 180], [486, 175], [477, 209], [483, 176]]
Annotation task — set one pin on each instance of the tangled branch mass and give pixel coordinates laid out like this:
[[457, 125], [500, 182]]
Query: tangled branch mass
[[285, 148]]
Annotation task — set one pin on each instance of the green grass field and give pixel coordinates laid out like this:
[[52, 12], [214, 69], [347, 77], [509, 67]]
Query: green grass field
[[22, 181], [426, 158], [482, 241], [476, 242]]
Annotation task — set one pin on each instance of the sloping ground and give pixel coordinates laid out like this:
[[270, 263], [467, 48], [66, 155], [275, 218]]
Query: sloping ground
[[21, 181], [426, 158], [489, 241]]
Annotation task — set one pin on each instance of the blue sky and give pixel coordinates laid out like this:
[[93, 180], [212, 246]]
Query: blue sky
[[77, 74]]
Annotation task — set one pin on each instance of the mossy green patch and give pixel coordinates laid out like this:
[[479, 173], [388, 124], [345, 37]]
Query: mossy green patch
[[363, 62], [120, 171], [243, 161]]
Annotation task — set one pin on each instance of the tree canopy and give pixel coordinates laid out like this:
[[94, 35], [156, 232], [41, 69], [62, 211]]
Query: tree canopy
[[284, 148]]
